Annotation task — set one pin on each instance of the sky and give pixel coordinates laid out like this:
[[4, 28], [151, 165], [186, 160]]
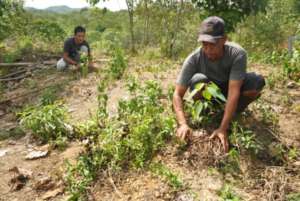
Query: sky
[[112, 5]]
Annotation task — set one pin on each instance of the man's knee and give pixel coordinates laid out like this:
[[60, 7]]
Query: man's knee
[[197, 78], [61, 64], [253, 85], [251, 94], [84, 49]]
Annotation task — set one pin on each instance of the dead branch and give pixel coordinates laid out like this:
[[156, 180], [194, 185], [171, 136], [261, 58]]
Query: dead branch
[[28, 93], [14, 78], [13, 74], [16, 64]]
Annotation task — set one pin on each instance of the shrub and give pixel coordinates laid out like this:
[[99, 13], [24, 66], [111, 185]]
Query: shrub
[[46, 122]]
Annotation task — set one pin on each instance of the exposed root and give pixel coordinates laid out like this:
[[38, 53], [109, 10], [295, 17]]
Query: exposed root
[[204, 151]]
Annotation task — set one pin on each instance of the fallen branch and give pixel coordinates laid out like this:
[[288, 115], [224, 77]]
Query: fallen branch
[[14, 78], [16, 64], [31, 92], [13, 74], [22, 64]]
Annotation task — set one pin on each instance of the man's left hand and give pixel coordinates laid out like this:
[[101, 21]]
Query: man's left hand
[[222, 135]]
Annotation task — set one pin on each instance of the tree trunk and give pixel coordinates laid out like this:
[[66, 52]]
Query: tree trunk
[[130, 7], [177, 28], [146, 23]]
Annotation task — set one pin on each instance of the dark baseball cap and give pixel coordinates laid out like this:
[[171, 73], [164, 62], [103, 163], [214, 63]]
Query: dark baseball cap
[[211, 29]]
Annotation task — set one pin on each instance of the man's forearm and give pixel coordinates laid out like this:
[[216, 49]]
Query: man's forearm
[[69, 60], [230, 109], [178, 107]]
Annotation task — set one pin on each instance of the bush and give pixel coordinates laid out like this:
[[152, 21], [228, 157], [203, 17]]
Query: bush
[[130, 139], [291, 66], [118, 63], [269, 31], [46, 122]]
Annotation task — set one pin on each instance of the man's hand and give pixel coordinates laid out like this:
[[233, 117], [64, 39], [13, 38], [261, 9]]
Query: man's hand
[[183, 132], [222, 135]]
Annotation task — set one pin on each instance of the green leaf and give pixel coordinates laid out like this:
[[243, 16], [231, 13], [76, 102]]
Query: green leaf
[[198, 88], [206, 94], [215, 92], [199, 108]]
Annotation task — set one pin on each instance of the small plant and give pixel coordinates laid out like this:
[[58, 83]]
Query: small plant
[[293, 153], [243, 138], [49, 95], [163, 171], [118, 63], [210, 102], [231, 163], [268, 115], [226, 194], [60, 142], [46, 122], [84, 64], [291, 66], [275, 78]]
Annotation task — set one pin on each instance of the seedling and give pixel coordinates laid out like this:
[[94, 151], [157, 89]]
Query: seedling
[[84, 64], [227, 194], [210, 102], [163, 171]]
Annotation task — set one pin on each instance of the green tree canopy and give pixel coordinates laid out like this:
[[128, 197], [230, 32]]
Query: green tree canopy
[[10, 11], [232, 11]]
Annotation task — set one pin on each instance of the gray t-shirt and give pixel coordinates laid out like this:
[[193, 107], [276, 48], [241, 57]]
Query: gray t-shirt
[[73, 49], [232, 66]]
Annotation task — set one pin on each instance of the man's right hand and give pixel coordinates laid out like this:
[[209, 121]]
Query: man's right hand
[[184, 132]]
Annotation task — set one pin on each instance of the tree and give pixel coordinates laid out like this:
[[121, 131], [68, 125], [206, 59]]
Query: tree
[[10, 15], [130, 9], [232, 11]]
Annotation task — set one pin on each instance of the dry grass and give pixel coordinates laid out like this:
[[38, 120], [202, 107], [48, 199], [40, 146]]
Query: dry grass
[[204, 151]]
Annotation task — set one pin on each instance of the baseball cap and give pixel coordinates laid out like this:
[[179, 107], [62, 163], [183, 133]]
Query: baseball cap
[[211, 29]]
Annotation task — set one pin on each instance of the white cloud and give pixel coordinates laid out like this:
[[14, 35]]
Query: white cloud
[[113, 5]]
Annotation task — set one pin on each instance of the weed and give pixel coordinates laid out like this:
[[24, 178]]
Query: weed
[[49, 95], [293, 153], [171, 89], [268, 115], [87, 128], [46, 122], [275, 78], [243, 138], [226, 194], [291, 67], [30, 83], [60, 142], [118, 63], [231, 163], [163, 171]]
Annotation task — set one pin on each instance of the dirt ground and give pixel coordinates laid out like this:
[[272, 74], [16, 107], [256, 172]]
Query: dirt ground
[[259, 179]]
